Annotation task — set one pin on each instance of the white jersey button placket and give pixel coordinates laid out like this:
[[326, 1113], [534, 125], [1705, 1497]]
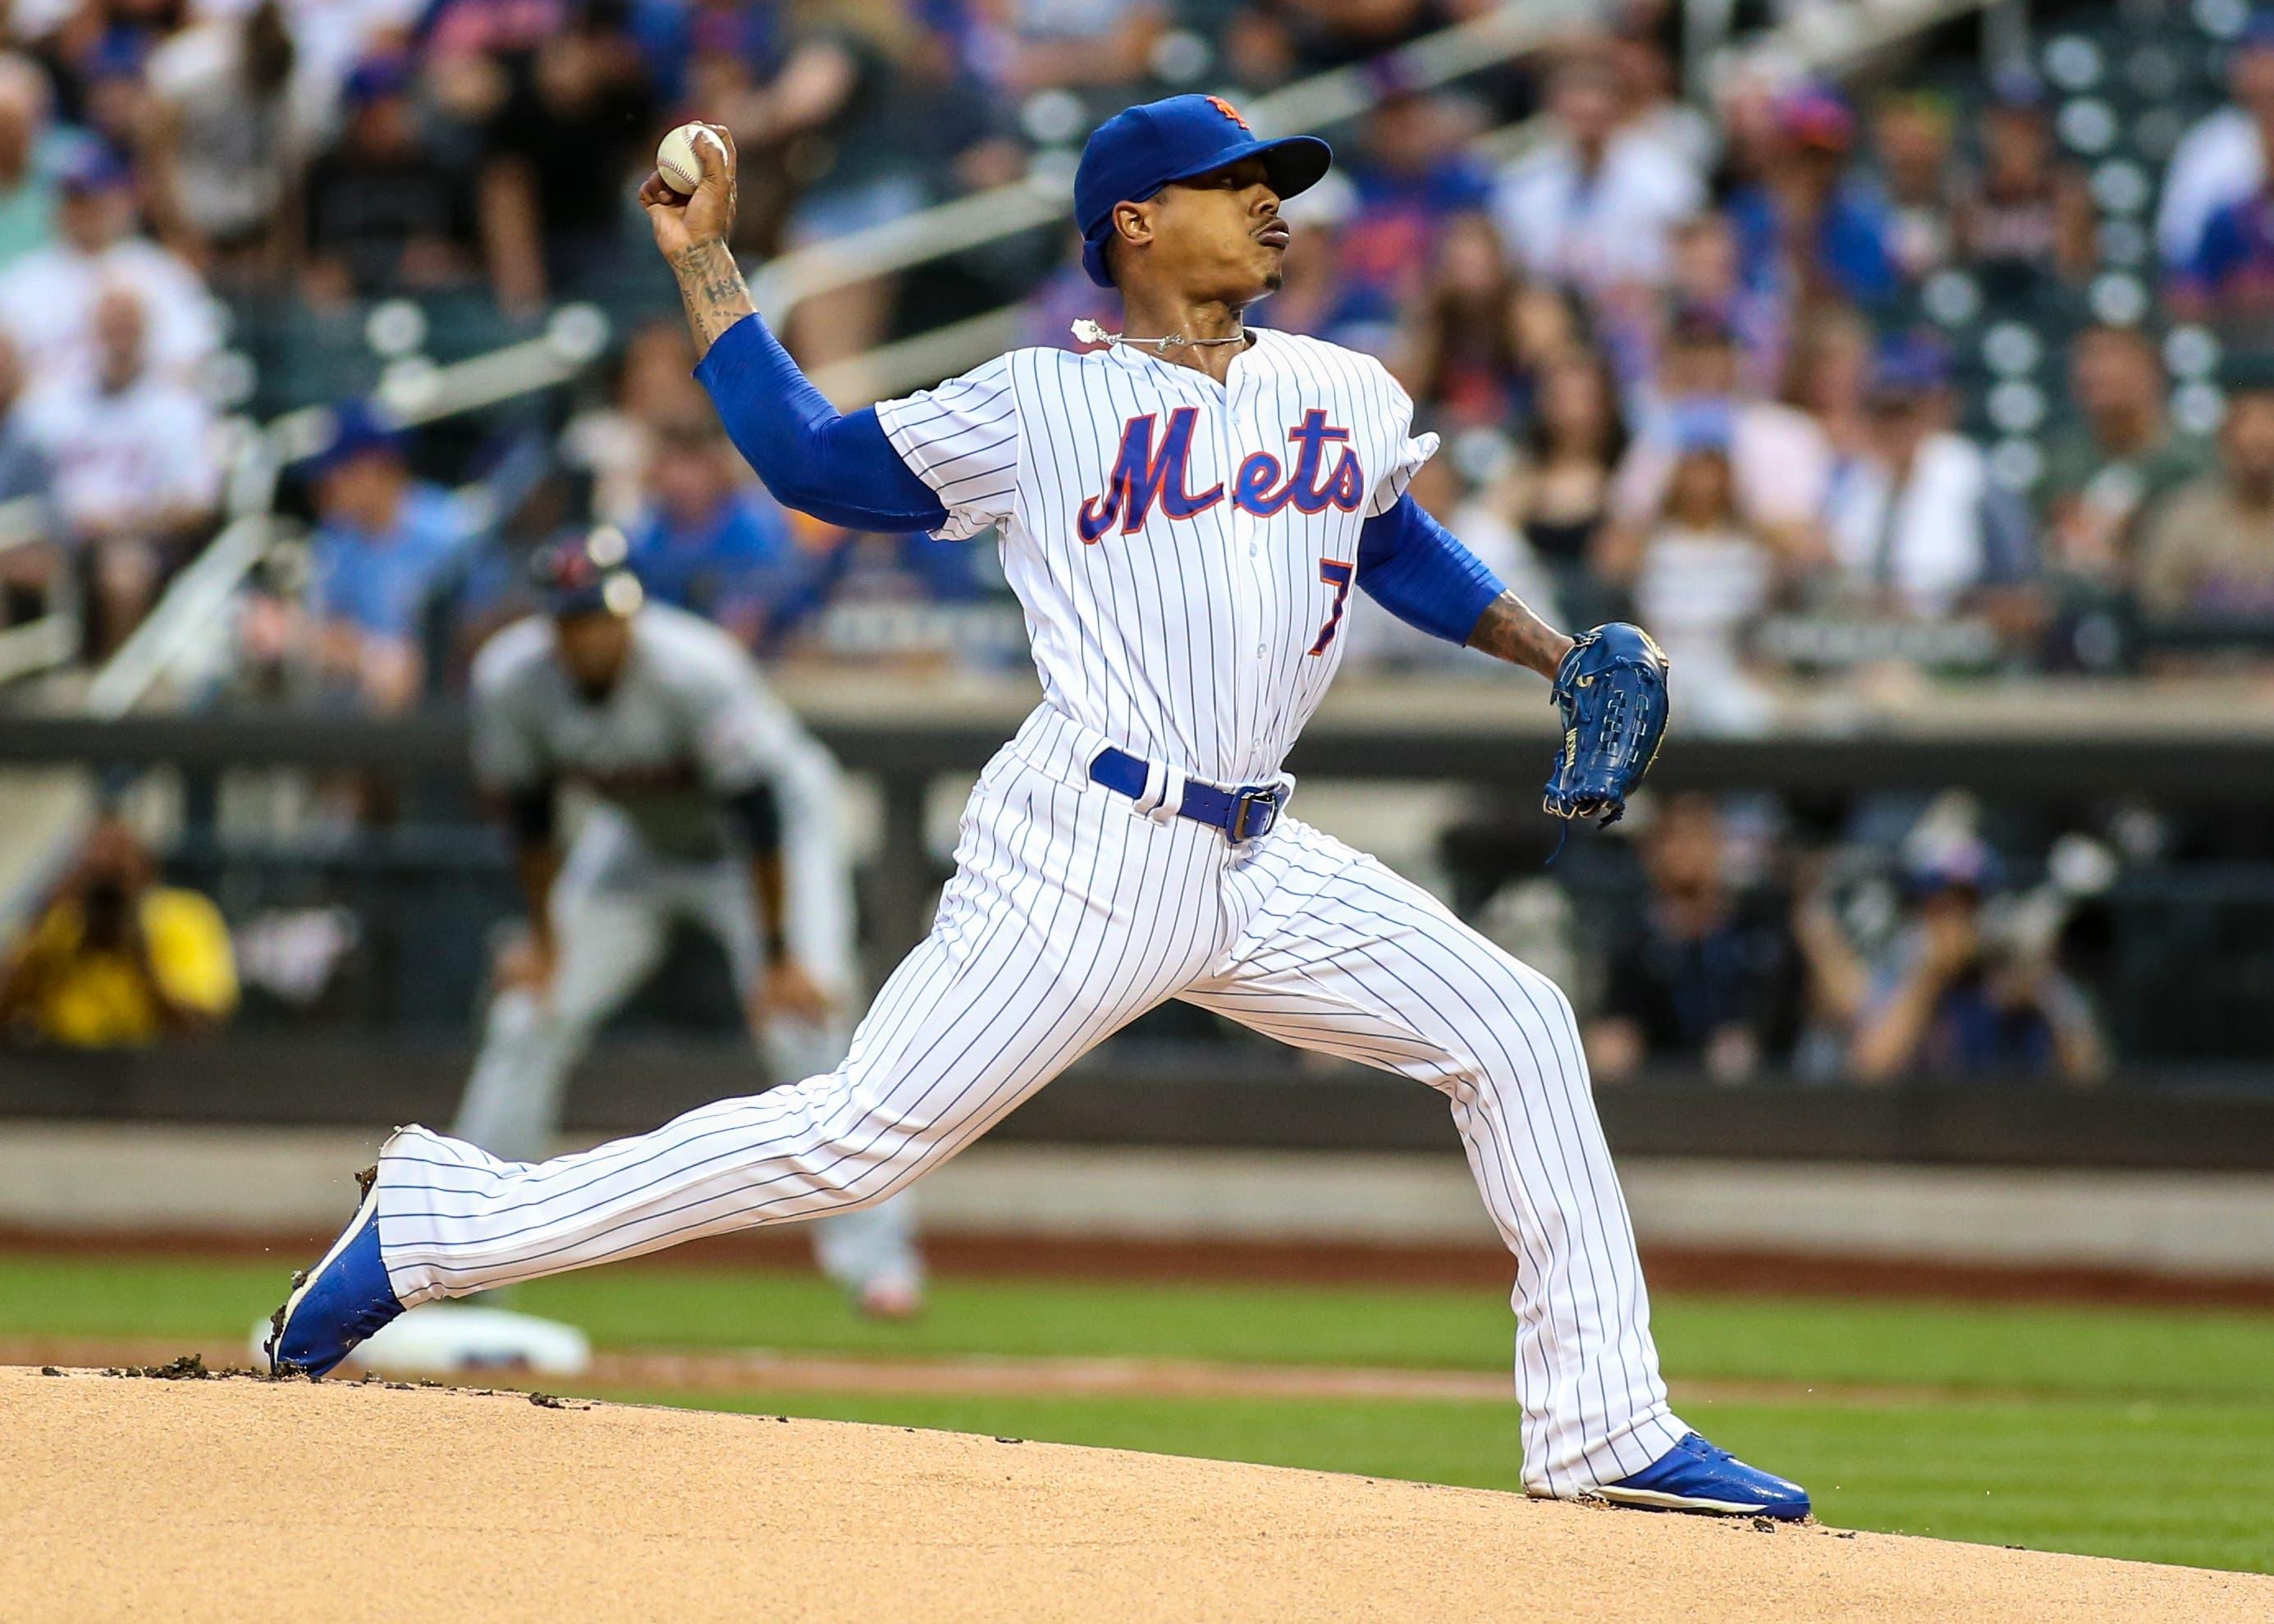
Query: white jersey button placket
[[1244, 526]]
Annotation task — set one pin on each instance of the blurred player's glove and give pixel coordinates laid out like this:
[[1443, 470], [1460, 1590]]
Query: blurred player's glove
[[1611, 688]]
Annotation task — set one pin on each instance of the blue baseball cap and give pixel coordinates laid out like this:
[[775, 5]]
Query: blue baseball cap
[[377, 78], [92, 168], [1703, 425], [358, 428], [1961, 862], [2017, 89], [1906, 366], [586, 572], [1134, 154]]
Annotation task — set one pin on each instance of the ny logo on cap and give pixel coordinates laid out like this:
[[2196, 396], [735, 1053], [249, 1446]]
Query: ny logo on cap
[[1231, 112]]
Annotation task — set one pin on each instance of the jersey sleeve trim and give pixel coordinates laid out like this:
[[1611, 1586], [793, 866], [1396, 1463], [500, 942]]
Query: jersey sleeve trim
[[1413, 450], [963, 441]]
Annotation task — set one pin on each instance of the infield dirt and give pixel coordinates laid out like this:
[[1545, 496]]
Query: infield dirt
[[229, 1498]]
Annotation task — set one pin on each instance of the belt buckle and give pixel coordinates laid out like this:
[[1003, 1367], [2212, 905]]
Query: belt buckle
[[1246, 803]]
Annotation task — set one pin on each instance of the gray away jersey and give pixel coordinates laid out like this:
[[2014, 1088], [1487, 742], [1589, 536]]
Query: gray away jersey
[[688, 722]]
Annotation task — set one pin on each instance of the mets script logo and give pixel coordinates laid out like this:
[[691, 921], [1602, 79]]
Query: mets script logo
[[1145, 474], [1231, 112]]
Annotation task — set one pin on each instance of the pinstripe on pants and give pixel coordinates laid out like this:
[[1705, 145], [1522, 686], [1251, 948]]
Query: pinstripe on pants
[[1068, 916]]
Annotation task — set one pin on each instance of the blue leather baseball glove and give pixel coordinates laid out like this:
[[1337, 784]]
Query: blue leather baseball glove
[[1611, 688]]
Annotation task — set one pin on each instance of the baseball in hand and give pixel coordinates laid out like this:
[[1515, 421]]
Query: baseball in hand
[[676, 161]]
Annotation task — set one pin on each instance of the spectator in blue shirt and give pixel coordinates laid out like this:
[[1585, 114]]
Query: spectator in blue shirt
[[1954, 999], [714, 543], [1411, 180], [2232, 276], [386, 542], [1809, 230]]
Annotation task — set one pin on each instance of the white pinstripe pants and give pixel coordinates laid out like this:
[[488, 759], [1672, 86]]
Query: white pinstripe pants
[[1069, 915]]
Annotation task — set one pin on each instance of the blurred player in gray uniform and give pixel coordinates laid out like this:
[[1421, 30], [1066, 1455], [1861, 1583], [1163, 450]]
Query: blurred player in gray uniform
[[704, 790]]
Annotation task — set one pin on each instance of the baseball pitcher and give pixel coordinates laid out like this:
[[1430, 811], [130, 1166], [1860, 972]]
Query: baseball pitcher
[[1185, 508]]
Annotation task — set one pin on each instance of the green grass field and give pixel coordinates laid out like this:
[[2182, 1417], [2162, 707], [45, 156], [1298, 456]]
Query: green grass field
[[2134, 1432]]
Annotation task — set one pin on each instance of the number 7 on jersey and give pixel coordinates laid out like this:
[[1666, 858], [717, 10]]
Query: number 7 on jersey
[[1338, 576]]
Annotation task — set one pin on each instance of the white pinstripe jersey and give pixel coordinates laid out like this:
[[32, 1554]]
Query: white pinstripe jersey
[[1184, 550]]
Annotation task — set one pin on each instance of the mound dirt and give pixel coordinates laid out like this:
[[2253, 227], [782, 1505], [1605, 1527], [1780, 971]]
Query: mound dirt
[[127, 1496]]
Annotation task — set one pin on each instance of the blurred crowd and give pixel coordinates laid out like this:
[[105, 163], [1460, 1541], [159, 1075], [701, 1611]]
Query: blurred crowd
[[1810, 381], [1753, 379], [1964, 370], [1742, 954]]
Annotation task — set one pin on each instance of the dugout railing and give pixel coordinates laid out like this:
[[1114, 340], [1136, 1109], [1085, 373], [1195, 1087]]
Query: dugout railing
[[2189, 942], [182, 637], [2206, 743], [1829, 38]]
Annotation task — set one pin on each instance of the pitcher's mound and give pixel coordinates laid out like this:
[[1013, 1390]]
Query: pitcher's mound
[[241, 1498]]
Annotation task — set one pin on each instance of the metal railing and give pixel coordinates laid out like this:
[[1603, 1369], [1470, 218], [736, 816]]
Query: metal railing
[[1826, 40], [1040, 198], [1817, 38], [1822, 38], [418, 392], [415, 393], [191, 622], [51, 641]]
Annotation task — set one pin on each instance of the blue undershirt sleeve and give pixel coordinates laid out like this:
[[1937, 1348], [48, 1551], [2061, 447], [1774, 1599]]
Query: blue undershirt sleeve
[[1414, 567], [836, 466]]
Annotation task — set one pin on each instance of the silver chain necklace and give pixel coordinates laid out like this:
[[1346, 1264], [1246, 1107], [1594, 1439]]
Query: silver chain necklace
[[1089, 332]]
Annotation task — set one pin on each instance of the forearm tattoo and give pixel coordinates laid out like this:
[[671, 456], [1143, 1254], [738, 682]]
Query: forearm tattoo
[[711, 286], [1508, 630]]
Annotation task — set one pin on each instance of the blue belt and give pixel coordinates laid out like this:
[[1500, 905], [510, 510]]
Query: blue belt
[[1242, 814]]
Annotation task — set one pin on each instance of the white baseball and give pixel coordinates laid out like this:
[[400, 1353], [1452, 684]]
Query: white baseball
[[676, 159]]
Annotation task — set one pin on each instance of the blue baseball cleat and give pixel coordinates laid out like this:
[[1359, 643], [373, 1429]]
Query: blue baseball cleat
[[1694, 1475], [340, 1302]]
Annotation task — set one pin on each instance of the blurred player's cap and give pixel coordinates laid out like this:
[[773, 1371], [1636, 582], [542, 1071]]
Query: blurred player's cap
[[1907, 367], [1701, 425], [1134, 154], [1814, 116], [732, 33], [94, 167], [358, 428], [1924, 103], [2257, 33], [118, 53], [2017, 89], [375, 79], [586, 572], [1953, 862]]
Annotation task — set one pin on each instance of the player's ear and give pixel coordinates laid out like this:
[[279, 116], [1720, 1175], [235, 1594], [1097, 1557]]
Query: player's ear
[[1132, 223]]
